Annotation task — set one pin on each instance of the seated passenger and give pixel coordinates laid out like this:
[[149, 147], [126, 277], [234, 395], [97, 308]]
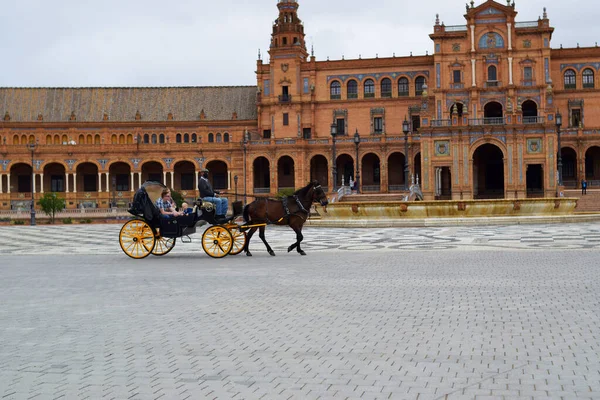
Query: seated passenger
[[209, 194], [186, 209], [165, 205]]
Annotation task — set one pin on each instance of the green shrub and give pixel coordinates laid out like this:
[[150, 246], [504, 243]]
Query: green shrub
[[67, 221], [18, 222], [285, 192], [85, 221]]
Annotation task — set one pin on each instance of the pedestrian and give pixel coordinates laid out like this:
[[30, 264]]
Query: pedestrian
[[583, 186]]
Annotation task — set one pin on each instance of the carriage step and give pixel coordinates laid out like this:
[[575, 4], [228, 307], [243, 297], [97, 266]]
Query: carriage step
[[188, 240]]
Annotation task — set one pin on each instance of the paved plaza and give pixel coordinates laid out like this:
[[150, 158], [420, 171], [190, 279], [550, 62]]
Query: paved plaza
[[507, 312]]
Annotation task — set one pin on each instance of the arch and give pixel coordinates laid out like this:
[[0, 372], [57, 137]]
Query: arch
[[226, 137], [488, 172], [395, 171], [48, 139], [286, 173], [592, 165], [403, 86], [20, 178], [146, 138], [352, 89], [417, 168], [121, 139], [184, 175], [186, 138], [130, 139], [261, 175], [370, 175], [152, 171], [319, 170], [87, 176], [89, 139], [570, 79], [194, 138], [588, 78], [56, 139], [178, 138], [161, 138], [54, 177], [65, 139], [493, 113], [386, 87], [113, 139], [15, 139], [457, 108], [420, 83], [97, 139], [569, 166], [81, 139], [335, 90], [211, 137], [218, 174], [369, 88], [530, 112]]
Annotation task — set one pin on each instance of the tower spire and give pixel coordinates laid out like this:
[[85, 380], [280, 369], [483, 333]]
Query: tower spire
[[288, 30]]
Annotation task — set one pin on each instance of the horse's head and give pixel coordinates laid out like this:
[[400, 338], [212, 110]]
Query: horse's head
[[319, 194]]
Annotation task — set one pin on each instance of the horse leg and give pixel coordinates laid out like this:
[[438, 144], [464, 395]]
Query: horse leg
[[248, 237], [299, 238], [261, 234]]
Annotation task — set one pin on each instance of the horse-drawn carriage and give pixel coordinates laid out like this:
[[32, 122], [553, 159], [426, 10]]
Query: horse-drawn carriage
[[148, 232], [151, 233]]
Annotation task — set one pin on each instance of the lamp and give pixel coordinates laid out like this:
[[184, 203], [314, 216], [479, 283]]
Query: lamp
[[333, 158], [32, 147], [558, 124], [245, 146], [357, 175], [405, 129]]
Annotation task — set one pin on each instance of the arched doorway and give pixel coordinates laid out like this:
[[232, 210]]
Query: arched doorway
[[285, 173], [217, 174], [592, 166], [534, 177], [371, 173], [19, 182], [54, 178], [345, 169], [569, 167], [152, 171], [492, 113], [120, 183], [261, 175], [395, 171], [319, 171], [417, 170], [488, 172], [457, 110], [530, 112], [184, 177], [87, 185]]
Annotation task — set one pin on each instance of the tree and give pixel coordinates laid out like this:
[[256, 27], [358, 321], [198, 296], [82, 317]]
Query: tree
[[51, 204], [177, 198]]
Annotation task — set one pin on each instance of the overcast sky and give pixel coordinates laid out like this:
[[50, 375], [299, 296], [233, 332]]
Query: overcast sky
[[75, 43]]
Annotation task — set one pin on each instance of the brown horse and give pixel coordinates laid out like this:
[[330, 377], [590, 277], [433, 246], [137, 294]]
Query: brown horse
[[291, 210]]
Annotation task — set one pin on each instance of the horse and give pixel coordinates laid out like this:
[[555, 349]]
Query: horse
[[290, 210]]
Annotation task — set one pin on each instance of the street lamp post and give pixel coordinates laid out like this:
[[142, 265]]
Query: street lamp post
[[334, 167], [31, 147], [245, 146], [405, 129], [558, 124], [357, 175], [235, 179]]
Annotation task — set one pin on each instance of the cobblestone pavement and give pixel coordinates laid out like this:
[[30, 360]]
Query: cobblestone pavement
[[507, 312], [103, 239]]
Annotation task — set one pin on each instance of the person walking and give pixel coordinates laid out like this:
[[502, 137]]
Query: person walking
[[583, 186]]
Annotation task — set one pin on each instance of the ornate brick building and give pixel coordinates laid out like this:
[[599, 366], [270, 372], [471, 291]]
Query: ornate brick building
[[480, 111]]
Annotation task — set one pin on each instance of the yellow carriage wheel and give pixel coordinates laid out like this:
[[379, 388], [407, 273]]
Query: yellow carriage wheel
[[239, 240], [136, 238], [217, 241], [163, 245]]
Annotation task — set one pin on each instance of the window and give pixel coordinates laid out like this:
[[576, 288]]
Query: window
[[218, 137], [211, 138], [226, 137], [178, 138], [369, 89], [153, 139], [419, 83], [378, 125], [588, 79], [186, 138], [267, 88], [416, 122], [341, 126], [386, 87], [267, 134], [306, 133], [161, 138], [122, 182], [286, 119], [57, 183], [570, 79], [575, 118], [403, 87], [146, 138], [456, 76], [352, 89], [528, 73], [194, 138], [335, 91], [492, 73]]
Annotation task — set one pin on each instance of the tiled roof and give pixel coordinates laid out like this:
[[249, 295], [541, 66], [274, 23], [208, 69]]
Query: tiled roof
[[122, 104]]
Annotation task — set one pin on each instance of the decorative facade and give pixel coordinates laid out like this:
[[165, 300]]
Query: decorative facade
[[481, 110]]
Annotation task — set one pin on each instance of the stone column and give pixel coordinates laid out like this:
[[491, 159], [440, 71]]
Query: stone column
[[165, 178], [66, 182], [1, 182], [132, 180], [8, 183], [473, 72], [139, 179], [509, 30], [510, 70], [99, 182], [473, 38], [74, 182], [42, 183], [197, 187], [107, 181]]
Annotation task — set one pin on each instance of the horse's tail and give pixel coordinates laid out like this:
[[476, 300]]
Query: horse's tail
[[246, 213]]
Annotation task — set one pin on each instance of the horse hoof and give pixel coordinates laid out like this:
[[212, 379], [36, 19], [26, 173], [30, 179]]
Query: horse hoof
[[249, 254], [302, 253], [272, 253], [290, 249]]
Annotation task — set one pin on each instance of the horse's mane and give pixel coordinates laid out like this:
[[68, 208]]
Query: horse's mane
[[302, 192]]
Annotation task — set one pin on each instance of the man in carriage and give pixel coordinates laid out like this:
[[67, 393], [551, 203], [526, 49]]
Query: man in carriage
[[207, 193]]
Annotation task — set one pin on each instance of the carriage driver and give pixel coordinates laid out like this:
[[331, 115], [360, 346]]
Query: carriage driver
[[209, 194]]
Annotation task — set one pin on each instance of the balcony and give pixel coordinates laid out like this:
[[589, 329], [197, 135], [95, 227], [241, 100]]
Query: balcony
[[285, 98], [441, 122], [533, 120], [457, 86], [528, 82], [493, 84], [487, 121]]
